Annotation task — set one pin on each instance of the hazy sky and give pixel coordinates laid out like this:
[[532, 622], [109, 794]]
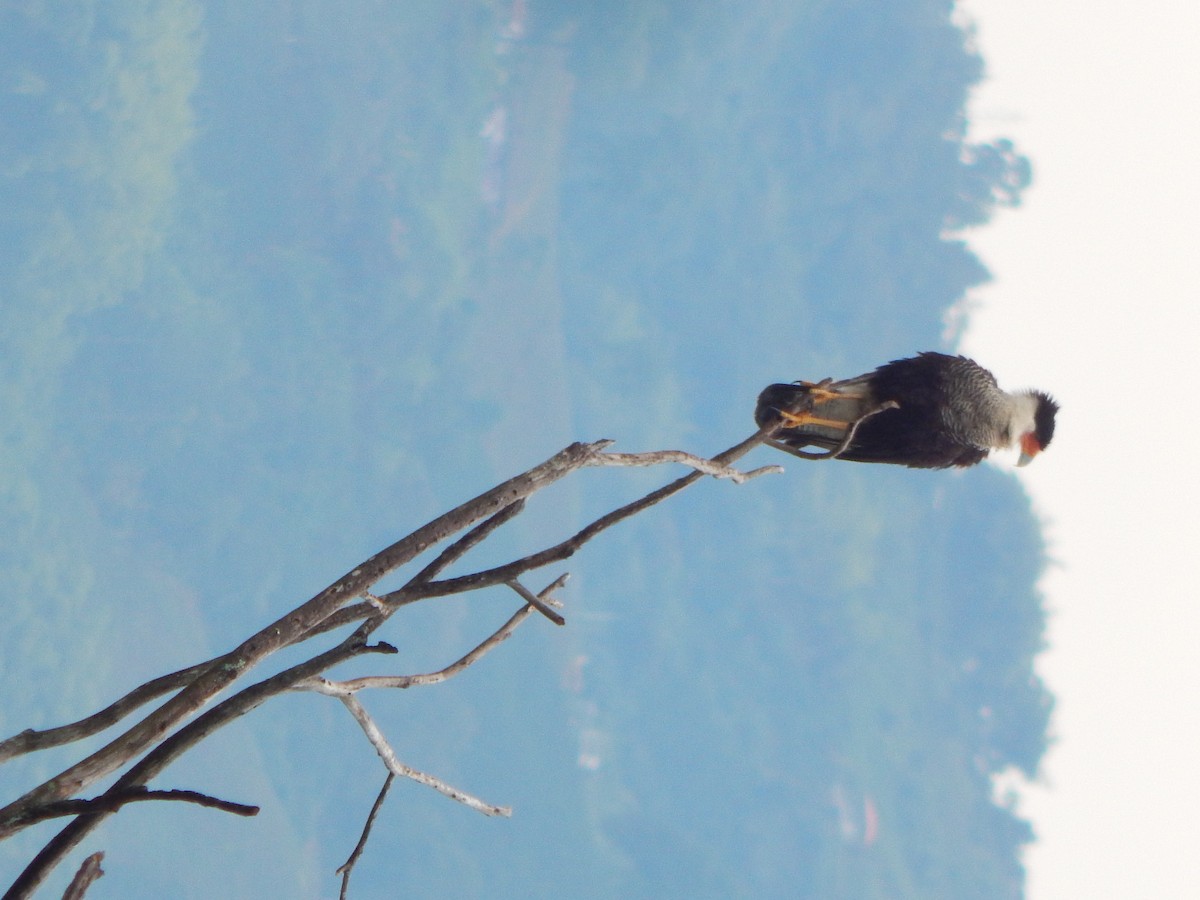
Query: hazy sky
[[1094, 300]]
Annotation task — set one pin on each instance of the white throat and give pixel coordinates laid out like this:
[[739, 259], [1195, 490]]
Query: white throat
[[1021, 416]]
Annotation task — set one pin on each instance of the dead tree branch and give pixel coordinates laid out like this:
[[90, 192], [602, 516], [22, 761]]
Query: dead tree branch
[[29, 740], [224, 670], [699, 463], [188, 717], [503, 633], [566, 549], [110, 803], [89, 872], [388, 755]]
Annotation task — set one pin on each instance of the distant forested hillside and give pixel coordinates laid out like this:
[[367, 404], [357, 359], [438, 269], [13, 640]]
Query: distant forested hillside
[[281, 281]]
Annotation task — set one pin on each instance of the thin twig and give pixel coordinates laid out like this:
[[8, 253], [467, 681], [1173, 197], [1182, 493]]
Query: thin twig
[[29, 741], [503, 633], [353, 685], [170, 748], [471, 539], [388, 755], [505, 573], [348, 866], [112, 802], [89, 872], [699, 463]]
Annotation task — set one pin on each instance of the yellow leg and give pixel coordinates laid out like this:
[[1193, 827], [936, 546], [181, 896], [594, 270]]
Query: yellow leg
[[796, 420], [819, 391]]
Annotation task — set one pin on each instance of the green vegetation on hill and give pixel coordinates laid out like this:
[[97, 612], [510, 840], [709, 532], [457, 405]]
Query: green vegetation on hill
[[282, 281]]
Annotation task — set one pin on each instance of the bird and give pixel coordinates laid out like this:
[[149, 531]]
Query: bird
[[929, 411]]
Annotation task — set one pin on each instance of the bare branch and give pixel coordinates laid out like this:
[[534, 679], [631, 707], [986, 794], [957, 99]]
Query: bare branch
[[347, 615], [169, 749], [699, 463], [384, 607], [88, 873], [502, 634], [166, 734], [388, 755], [284, 631], [471, 539], [508, 572], [348, 866], [29, 741], [113, 802], [353, 685]]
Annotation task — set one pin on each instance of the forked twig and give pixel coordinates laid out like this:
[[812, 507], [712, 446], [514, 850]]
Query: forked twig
[[499, 636], [388, 755], [217, 676], [376, 610], [471, 539], [345, 690], [165, 733], [563, 550]]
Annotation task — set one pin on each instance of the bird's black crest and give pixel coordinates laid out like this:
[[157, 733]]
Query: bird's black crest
[[1043, 419]]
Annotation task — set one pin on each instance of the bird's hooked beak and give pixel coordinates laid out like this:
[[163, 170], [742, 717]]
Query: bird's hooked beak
[[1029, 448]]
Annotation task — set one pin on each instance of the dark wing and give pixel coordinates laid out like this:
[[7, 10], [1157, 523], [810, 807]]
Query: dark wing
[[912, 435], [889, 438], [916, 435]]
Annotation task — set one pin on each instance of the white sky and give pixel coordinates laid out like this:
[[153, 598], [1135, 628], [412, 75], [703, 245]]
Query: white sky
[[1095, 300]]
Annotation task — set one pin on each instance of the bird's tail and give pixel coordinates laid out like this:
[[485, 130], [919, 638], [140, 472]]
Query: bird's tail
[[775, 399]]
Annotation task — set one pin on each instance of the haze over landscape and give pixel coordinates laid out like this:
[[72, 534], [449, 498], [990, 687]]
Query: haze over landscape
[[282, 283]]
